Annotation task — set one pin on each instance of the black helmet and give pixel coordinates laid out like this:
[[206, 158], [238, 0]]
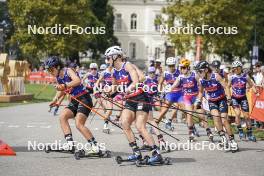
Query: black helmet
[[53, 61], [216, 64], [202, 65]]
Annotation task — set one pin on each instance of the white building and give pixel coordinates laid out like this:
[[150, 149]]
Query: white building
[[136, 30]]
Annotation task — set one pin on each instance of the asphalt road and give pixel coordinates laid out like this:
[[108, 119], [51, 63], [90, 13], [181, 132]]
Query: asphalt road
[[20, 125]]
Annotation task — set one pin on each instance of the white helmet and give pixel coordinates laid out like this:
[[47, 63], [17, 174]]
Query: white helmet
[[237, 64], [171, 61], [93, 65], [103, 67], [114, 50], [158, 60]]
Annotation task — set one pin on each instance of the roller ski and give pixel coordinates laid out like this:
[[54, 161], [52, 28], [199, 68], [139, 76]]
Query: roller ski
[[154, 160], [233, 146], [169, 126], [68, 148], [210, 135], [192, 138], [223, 142], [250, 136], [94, 152], [196, 133], [106, 129], [131, 158]]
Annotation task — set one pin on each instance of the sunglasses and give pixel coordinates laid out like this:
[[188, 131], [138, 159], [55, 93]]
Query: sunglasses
[[201, 70], [171, 65], [183, 68], [151, 72], [93, 69]]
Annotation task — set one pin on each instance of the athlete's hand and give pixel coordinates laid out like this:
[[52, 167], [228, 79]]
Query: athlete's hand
[[229, 102], [97, 95], [60, 87], [52, 104], [198, 104]]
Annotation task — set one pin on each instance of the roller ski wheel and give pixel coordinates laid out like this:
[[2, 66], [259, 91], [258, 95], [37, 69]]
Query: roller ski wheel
[[119, 159], [47, 149], [79, 154], [56, 111]]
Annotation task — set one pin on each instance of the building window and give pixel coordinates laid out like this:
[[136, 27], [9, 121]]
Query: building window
[[118, 22], [157, 22], [132, 50], [157, 53], [133, 22]]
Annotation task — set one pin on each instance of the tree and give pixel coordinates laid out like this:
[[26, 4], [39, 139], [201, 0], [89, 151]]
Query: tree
[[215, 13], [104, 13], [6, 25], [46, 13]]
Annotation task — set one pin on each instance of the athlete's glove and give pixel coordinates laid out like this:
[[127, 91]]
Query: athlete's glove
[[97, 95], [61, 87], [198, 104]]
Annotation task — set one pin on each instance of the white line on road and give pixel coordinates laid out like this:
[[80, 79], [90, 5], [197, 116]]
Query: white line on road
[[45, 126], [13, 126], [2, 122], [30, 126]]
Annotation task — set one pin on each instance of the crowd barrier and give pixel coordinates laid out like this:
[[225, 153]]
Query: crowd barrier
[[40, 77]]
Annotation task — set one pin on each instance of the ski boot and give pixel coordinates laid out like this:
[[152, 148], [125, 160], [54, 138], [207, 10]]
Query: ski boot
[[210, 135], [155, 160], [233, 146], [169, 126], [192, 137], [151, 131], [223, 142], [56, 110], [106, 128], [131, 158], [250, 136], [196, 133]]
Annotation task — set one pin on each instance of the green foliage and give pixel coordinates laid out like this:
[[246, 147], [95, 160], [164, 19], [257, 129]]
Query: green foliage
[[46, 13], [215, 13]]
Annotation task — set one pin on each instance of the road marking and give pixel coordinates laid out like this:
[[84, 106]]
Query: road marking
[[2, 122], [30, 126], [37, 123], [45, 126], [13, 126]]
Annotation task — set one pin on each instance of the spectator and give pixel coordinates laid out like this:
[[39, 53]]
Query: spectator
[[259, 81], [259, 75]]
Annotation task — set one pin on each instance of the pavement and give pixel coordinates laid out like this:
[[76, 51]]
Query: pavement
[[25, 124]]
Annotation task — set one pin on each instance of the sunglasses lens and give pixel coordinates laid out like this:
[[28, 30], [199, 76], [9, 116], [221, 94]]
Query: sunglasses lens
[[183, 67]]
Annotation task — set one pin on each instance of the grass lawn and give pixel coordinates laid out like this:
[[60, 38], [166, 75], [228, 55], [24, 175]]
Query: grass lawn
[[259, 133], [42, 93]]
